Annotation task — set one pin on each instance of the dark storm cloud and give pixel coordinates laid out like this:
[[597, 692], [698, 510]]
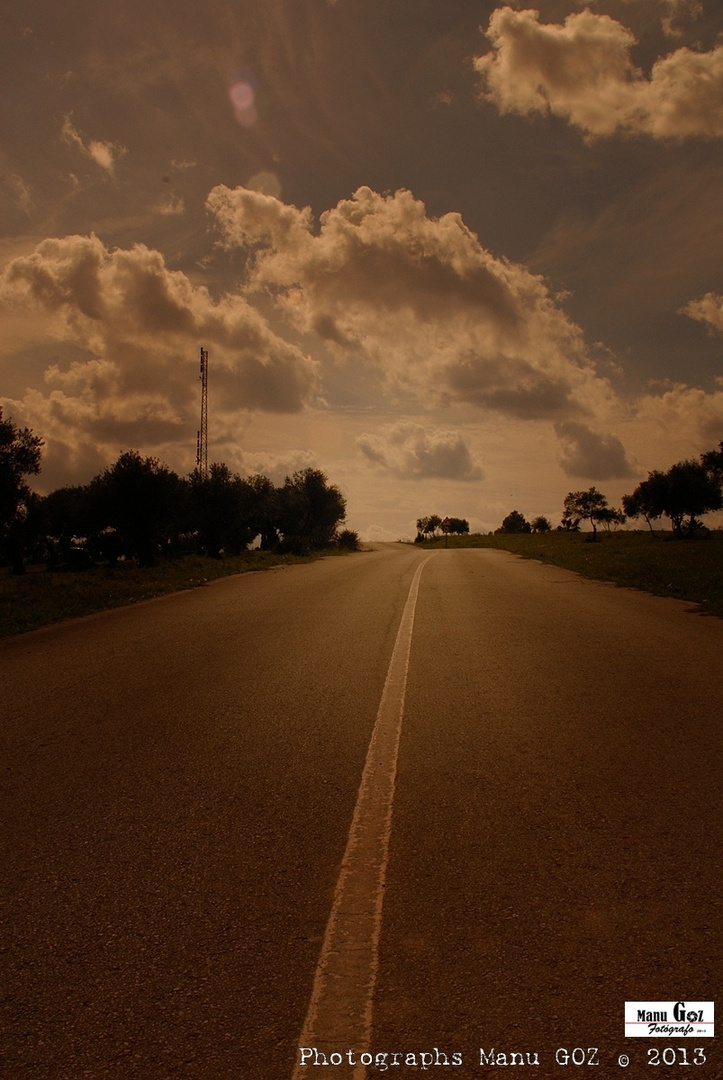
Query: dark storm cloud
[[591, 456]]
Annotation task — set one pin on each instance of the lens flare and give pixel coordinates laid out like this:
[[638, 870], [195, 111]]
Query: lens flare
[[266, 182], [242, 94]]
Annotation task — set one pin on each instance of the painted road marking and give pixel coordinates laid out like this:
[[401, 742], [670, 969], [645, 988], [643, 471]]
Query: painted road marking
[[339, 1017]]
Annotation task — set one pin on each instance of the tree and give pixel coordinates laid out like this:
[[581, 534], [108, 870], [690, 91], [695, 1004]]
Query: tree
[[515, 522], [65, 515], [540, 525], [590, 505], [691, 492], [458, 526], [610, 518], [712, 461], [648, 499], [309, 510], [141, 497], [218, 503], [434, 522], [427, 526], [19, 457], [687, 490], [260, 502]]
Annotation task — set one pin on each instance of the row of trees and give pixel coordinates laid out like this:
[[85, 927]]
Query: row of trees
[[688, 490], [579, 506], [139, 508], [431, 525], [515, 522]]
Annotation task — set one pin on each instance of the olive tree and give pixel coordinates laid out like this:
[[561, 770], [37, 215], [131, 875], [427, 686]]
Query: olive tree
[[590, 505]]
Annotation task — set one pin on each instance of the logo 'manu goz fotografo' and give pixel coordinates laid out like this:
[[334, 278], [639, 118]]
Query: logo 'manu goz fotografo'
[[668, 1019]]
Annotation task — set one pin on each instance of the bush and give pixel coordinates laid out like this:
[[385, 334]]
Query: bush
[[348, 540]]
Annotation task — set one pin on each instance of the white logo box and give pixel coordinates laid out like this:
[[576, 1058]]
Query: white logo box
[[669, 1019]]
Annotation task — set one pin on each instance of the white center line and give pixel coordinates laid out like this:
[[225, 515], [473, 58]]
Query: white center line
[[339, 1017]]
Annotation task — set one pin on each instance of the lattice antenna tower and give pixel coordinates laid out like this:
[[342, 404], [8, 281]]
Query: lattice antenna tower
[[202, 436]]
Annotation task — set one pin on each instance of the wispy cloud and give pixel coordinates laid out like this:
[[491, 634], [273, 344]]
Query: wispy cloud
[[104, 154], [673, 13], [22, 193]]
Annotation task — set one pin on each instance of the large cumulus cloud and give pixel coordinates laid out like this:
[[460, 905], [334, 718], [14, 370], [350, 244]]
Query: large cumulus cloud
[[418, 298], [409, 451], [687, 412], [135, 328], [582, 70]]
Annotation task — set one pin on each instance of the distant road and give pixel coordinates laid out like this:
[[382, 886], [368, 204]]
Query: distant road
[[179, 782]]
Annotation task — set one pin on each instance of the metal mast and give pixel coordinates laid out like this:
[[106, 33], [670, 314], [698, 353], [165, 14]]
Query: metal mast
[[202, 436]]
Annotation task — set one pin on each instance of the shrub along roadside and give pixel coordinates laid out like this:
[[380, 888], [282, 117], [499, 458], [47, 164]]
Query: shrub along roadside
[[39, 598], [686, 570]]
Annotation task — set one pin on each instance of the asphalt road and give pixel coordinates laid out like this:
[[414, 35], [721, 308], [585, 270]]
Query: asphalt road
[[179, 780]]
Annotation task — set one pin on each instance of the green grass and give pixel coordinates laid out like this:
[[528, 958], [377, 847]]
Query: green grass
[[38, 598], [689, 569]]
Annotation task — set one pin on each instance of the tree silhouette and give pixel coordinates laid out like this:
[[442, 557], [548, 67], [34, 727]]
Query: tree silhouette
[[687, 491], [218, 504], [140, 497], [648, 499], [515, 522], [590, 505], [309, 511], [459, 526], [260, 503], [19, 457]]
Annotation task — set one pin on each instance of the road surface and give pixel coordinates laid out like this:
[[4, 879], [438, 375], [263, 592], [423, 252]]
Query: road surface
[[180, 780]]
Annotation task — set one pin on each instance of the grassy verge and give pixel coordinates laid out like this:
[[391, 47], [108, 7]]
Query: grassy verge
[[684, 569], [39, 598]]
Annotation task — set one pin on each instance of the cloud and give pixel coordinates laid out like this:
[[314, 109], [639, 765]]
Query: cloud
[[278, 466], [672, 12], [104, 154], [136, 328], [417, 298], [590, 455], [380, 534], [581, 70], [708, 309], [172, 206], [687, 413], [410, 451], [675, 11], [22, 192]]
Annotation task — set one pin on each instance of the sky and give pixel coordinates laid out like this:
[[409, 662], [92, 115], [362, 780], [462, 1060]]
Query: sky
[[464, 257]]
